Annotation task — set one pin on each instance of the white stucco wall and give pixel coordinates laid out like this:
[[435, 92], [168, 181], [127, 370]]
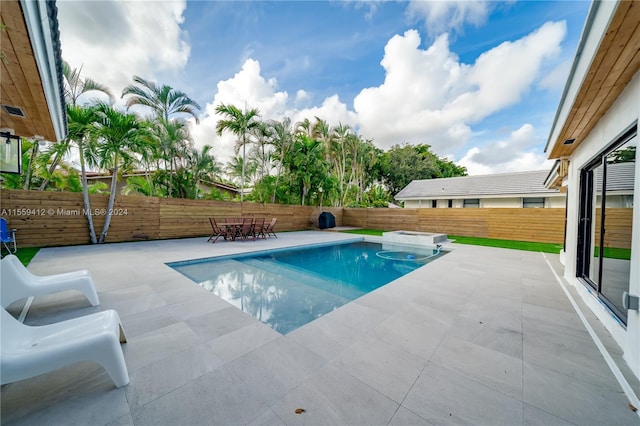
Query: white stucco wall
[[622, 114], [492, 203]]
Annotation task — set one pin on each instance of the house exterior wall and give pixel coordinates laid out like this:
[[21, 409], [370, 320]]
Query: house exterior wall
[[487, 203], [620, 116]]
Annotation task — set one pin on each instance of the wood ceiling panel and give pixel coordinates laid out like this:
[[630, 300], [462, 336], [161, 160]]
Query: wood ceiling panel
[[21, 83], [615, 63]]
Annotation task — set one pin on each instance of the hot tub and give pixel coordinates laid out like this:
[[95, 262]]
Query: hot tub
[[414, 238]]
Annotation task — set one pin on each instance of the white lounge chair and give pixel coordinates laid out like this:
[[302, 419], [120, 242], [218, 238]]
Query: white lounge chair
[[30, 351], [18, 282]]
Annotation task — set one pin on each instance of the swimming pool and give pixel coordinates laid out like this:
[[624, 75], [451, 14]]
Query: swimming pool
[[288, 288]]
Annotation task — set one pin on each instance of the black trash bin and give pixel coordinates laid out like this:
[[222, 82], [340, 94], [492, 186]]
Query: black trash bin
[[326, 220]]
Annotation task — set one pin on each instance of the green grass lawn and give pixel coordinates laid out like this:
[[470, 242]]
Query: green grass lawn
[[489, 242], [25, 254]]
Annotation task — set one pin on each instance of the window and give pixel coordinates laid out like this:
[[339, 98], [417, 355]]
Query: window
[[434, 203], [471, 202], [533, 202], [605, 225], [450, 203]]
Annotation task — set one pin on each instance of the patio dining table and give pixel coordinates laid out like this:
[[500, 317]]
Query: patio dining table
[[233, 229]]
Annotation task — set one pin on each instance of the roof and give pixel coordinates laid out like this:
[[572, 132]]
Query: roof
[[31, 71], [620, 177], [481, 186]]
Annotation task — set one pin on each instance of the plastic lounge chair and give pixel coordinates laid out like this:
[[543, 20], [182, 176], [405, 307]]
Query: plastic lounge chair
[[258, 228], [30, 351], [217, 231], [7, 236], [18, 282], [268, 230]]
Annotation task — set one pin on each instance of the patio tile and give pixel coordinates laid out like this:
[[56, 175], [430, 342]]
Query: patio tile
[[536, 417], [276, 368], [565, 350], [267, 418], [155, 380], [240, 342], [218, 323], [574, 400], [404, 417], [131, 300], [417, 338], [125, 420], [497, 337], [194, 359], [216, 398], [491, 368], [384, 367], [442, 396], [153, 346], [334, 397], [83, 389], [359, 317]]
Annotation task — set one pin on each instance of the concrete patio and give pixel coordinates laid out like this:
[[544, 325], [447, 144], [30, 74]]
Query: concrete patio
[[480, 336]]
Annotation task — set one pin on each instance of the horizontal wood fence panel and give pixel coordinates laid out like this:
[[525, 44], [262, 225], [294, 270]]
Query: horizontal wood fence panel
[[537, 225], [57, 218]]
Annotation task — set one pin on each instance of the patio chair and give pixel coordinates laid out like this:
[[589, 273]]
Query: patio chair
[[268, 229], [30, 351], [246, 230], [7, 236], [218, 231], [18, 282], [258, 228]]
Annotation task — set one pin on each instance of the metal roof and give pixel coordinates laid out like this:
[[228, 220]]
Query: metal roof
[[481, 186]]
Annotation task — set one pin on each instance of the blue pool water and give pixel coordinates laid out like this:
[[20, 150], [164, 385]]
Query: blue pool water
[[286, 289]]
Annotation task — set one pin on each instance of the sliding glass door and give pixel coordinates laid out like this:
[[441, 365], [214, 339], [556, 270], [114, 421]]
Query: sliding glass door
[[605, 227]]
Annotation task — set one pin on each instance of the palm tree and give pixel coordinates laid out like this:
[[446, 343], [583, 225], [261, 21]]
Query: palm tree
[[164, 100], [174, 140], [79, 130], [239, 123], [203, 166], [282, 140], [119, 136], [74, 87]]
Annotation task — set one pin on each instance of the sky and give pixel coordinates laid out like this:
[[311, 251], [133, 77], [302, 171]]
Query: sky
[[478, 81]]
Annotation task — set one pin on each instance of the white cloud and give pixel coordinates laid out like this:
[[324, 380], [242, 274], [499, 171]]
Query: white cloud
[[248, 87], [114, 40], [429, 96], [521, 152], [444, 15]]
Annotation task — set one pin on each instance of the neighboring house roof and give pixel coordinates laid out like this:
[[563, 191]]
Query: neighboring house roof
[[32, 81], [481, 186], [620, 177]]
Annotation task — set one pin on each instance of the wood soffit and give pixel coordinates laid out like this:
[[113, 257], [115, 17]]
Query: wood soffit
[[20, 82], [615, 63]]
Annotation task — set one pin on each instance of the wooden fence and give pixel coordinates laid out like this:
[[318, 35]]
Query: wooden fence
[[538, 225], [57, 218]]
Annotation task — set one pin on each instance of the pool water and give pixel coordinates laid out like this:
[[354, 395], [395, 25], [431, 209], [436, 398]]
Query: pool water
[[286, 289]]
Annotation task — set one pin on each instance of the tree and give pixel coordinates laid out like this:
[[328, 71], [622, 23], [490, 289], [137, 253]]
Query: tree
[[402, 164], [74, 87], [282, 141], [239, 123], [118, 137], [165, 101], [80, 125], [306, 164]]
